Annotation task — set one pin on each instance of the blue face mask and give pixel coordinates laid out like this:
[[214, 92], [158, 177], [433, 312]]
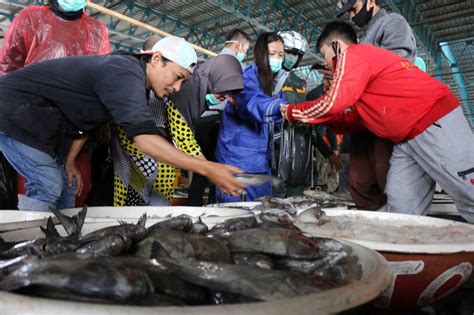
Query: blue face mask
[[240, 56], [275, 64], [72, 5], [289, 61], [211, 100]]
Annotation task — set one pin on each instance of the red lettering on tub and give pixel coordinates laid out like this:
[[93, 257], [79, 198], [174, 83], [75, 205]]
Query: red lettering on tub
[[409, 267], [428, 296]]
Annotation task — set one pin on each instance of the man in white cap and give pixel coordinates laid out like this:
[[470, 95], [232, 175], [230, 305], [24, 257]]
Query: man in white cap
[[41, 103]]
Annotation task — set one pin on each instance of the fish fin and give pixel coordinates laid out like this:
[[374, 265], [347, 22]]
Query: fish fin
[[62, 219], [122, 222], [79, 219], [72, 225], [45, 231], [142, 220], [66, 221], [50, 231]]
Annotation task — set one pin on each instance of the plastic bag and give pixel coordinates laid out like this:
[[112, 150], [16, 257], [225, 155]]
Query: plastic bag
[[296, 153], [7, 185]]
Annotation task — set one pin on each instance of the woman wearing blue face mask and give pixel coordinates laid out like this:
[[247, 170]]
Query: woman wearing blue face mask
[[246, 134]]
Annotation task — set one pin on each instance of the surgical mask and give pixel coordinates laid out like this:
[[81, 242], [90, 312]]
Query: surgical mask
[[240, 56], [289, 61], [364, 16], [72, 5], [211, 100], [275, 64]]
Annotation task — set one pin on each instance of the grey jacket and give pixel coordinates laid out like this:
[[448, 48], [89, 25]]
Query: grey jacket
[[392, 32]]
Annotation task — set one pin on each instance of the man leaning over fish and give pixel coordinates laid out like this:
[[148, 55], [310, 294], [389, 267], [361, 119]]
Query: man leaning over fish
[[78, 94]]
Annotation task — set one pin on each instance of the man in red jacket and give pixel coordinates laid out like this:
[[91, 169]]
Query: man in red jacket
[[397, 101]]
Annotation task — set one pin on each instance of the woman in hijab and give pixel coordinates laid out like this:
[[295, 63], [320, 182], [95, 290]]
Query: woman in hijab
[[246, 134], [140, 180]]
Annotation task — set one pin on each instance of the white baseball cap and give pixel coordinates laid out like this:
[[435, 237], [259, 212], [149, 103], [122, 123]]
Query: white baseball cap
[[177, 50]]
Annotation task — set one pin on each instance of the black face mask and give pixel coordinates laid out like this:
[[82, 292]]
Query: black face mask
[[70, 16], [337, 52], [364, 16]]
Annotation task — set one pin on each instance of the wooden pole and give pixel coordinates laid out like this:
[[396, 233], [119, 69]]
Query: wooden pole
[[125, 18]]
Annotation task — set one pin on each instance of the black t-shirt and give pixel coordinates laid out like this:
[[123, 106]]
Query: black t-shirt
[[84, 91]]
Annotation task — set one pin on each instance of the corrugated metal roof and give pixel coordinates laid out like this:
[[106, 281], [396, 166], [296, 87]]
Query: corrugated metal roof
[[206, 23]]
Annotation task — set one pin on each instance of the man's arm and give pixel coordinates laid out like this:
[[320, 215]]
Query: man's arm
[[161, 150], [350, 79], [70, 165]]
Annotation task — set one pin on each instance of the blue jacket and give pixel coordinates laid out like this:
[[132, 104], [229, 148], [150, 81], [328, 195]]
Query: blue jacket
[[244, 138]]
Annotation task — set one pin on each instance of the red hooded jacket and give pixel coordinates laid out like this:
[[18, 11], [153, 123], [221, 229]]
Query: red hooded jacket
[[36, 34], [389, 96]]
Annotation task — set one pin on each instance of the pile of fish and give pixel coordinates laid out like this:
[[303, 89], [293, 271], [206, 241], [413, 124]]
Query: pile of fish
[[293, 205], [177, 261]]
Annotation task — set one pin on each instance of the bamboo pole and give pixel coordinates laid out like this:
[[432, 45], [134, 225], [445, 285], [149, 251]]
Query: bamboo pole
[[125, 18]]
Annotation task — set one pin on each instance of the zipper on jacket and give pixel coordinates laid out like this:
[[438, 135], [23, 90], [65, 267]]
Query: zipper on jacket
[[463, 174]]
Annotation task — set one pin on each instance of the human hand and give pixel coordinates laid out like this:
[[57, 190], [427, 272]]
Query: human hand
[[283, 111], [222, 176], [71, 172], [336, 162]]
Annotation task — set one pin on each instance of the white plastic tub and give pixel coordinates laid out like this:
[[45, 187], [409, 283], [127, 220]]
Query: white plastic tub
[[376, 277]]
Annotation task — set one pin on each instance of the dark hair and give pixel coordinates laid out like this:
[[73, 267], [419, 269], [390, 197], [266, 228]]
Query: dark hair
[[265, 75], [337, 30], [150, 42], [146, 58], [237, 34]]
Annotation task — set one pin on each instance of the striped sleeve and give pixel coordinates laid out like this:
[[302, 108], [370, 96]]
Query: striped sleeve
[[350, 79]]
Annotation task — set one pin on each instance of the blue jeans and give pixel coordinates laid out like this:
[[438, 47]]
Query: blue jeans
[[46, 179]]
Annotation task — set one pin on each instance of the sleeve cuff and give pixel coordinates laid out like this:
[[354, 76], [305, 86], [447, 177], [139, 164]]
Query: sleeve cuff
[[132, 131], [276, 109]]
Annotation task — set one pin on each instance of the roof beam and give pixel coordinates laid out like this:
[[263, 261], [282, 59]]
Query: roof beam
[[423, 33], [170, 24], [258, 14], [236, 11]]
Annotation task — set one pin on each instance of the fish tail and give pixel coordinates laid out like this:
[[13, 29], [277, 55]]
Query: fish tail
[[142, 220]]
